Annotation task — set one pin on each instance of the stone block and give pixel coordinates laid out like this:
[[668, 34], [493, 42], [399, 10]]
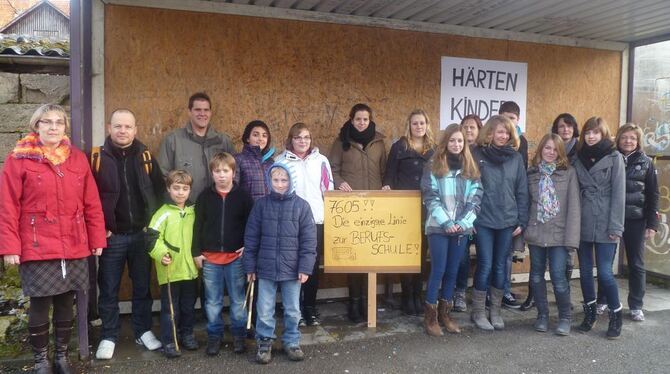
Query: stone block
[[16, 117], [7, 143], [9, 88], [45, 88]]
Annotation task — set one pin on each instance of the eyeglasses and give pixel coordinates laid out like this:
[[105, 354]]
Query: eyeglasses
[[304, 138], [52, 123]]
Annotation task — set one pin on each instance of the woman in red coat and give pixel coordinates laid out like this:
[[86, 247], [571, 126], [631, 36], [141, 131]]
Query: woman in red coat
[[51, 221]]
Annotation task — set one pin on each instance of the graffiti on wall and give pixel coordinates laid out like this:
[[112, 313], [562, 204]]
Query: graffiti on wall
[[658, 247], [656, 140]]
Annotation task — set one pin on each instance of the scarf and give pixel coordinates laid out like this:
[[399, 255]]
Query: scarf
[[348, 133], [589, 155], [547, 203], [454, 162], [498, 155], [31, 147]]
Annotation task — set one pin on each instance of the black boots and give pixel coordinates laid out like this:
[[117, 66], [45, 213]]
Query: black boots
[[590, 316], [411, 294], [354, 312], [530, 301], [39, 341], [616, 321], [62, 333]]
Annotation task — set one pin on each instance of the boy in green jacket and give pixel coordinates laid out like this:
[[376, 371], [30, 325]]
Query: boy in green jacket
[[172, 229]]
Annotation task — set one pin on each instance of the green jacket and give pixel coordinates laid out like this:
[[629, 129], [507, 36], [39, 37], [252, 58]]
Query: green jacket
[[172, 229]]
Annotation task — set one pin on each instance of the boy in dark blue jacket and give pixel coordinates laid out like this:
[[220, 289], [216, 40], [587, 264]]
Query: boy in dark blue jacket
[[280, 251]]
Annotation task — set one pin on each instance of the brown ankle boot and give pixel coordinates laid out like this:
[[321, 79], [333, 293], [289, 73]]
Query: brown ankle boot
[[443, 309], [62, 333], [430, 320]]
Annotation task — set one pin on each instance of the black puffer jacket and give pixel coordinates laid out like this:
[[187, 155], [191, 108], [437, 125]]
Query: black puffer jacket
[[641, 189]]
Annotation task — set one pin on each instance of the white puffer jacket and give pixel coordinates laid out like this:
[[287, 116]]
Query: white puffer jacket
[[311, 177]]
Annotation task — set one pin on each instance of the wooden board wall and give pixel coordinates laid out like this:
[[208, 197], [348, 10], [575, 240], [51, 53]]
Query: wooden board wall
[[284, 71]]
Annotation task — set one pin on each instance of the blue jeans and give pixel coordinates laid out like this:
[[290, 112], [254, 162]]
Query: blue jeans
[[558, 257], [184, 294], [230, 277], [493, 248], [122, 248], [265, 308], [445, 256], [464, 267], [604, 260]]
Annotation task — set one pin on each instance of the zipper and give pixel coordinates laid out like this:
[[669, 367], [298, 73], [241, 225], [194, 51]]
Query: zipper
[[32, 223], [223, 211], [125, 179]]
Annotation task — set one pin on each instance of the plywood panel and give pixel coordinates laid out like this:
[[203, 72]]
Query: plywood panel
[[284, 71]]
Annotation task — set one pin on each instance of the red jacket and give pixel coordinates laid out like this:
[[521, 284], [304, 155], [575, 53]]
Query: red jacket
[[50, 212]]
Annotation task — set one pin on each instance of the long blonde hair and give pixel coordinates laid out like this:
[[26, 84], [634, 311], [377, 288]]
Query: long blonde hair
[[485, 137], [440, 164], [561, 161], [428, 140]]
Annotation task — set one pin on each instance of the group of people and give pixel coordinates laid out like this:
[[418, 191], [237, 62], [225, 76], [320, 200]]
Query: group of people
[[256, 217]]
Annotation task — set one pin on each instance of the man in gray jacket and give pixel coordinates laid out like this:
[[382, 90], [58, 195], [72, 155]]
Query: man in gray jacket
[[190, 148]]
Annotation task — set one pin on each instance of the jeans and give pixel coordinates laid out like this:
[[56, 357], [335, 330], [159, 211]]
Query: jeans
[[122, 248], [508, 273], [493, 248], [633, 238], [557, 259], [445, 255], [230, 277], [464, 267], [604, 260], [184, 294], [265, 308]]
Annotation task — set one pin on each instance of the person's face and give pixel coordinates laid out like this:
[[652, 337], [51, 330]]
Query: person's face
[[200, 114], [301, 142], [512, 117], [628, 142], [122, 129], [565, 130], [279, 181], [417, 126], [223, 176], [500, 136], [456, 143], [258, 137], [592, 137], [471, 130], [179, 193], [51, 128], [549, 152], [361, 120]]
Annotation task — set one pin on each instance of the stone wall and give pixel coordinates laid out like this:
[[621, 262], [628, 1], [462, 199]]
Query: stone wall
[[20, 96]]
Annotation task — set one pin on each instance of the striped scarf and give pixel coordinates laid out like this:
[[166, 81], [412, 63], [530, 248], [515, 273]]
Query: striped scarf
[[31, 147]]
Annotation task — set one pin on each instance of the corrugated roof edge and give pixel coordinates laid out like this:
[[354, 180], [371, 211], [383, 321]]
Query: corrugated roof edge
[[24, 45]]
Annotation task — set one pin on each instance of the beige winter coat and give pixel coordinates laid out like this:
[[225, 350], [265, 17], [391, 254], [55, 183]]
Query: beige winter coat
[[362, 168]]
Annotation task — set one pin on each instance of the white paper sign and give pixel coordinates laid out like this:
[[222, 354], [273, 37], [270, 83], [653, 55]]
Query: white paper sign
[[472, 86]]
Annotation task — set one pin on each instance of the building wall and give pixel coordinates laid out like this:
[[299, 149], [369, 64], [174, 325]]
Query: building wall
[[284, 71], [43, 21]]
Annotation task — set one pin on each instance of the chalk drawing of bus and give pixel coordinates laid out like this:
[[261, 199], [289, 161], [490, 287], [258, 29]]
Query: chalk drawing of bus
[[343, 253]]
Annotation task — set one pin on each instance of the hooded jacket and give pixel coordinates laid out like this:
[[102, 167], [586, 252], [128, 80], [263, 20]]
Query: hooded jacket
[[182, 149], [362, 168], [311, 178], [280, 237], [172, 230]]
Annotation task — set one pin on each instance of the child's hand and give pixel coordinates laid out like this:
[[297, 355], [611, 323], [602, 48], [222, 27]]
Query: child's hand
[[303, 277], [199, 261], [166, 260], [251, 277]]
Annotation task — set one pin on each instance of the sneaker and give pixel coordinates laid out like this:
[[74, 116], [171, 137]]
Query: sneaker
[[459, 302], [509, 301], [295, 353], [264, 353], [637, 315], [170, 351], [105, 350], [239, 344], [302, 322], [601, 308], [311, 316], [213, 345], [149, 341], [528, 304], [189, 343]]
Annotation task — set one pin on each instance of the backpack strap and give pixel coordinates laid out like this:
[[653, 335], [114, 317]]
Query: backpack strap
[[95, 159], [146, 160]]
